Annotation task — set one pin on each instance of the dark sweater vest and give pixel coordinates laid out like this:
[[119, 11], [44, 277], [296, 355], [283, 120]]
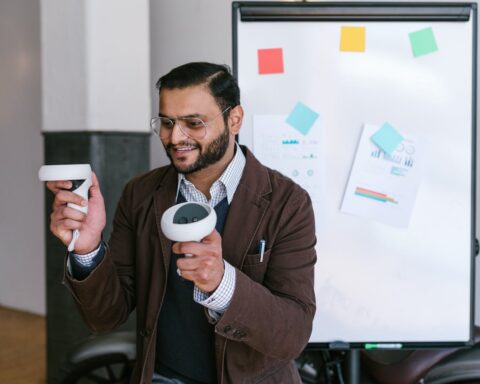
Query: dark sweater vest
[[185, 339]]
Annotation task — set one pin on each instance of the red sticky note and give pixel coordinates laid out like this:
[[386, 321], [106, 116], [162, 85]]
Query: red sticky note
[[270, 61]]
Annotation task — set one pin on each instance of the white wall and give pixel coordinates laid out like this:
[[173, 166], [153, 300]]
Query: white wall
[[118, 65], [22, 263], [64, 88], [96, 67]]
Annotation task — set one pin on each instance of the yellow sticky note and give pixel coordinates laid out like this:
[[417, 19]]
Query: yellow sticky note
[[352, 39]]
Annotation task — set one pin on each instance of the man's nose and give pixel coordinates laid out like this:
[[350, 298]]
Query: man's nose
[[178, 133]]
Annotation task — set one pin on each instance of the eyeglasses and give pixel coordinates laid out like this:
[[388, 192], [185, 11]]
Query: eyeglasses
[[192, 127]]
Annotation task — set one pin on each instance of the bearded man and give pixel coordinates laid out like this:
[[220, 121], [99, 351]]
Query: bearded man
[[240, 309]]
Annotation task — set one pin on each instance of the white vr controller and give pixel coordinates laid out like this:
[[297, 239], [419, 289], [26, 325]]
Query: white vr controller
[[188, 222], [81, 177]]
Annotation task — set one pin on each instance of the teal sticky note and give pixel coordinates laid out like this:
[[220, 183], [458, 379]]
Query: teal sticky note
[[387, 138], [423, 42], [302, 118]]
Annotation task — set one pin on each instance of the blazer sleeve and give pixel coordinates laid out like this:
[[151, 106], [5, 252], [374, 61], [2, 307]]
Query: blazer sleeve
[[275, 317], [106, 296]]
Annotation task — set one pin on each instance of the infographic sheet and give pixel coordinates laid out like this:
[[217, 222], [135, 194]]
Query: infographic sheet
[[383, 186], [293, 152]]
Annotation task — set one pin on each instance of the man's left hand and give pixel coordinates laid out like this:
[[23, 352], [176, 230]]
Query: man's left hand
[[205, 267]]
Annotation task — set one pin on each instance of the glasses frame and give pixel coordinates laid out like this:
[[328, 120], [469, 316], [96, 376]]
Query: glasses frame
[[185, 131]]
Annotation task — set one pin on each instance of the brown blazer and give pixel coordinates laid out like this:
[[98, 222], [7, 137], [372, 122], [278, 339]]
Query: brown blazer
[[269, 320]]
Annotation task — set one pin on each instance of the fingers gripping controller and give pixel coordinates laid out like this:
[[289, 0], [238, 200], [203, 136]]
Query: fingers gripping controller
[[188, 222], [81, 187], [80, 176]]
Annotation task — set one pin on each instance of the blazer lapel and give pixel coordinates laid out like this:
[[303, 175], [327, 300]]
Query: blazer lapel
[[165, 198], [247, 209]]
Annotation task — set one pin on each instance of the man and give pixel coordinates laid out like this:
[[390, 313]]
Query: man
[[230, 313]]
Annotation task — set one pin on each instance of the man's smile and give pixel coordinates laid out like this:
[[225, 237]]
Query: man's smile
[[185, 148]]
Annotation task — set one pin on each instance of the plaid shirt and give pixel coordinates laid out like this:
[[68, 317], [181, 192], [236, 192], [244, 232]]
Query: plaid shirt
[[218, 301]]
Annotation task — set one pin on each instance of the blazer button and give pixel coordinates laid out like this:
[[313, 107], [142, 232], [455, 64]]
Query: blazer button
[[239, 334], [227, 329]]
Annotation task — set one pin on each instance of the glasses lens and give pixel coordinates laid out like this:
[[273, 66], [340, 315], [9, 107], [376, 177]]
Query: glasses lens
[[166, 123], [193, 127], [162, 126], [155, 125]]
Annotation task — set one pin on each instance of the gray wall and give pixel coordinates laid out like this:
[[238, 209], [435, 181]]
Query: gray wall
[[22, 270]]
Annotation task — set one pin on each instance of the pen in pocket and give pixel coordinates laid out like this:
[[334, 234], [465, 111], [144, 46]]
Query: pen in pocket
[[261, 249]]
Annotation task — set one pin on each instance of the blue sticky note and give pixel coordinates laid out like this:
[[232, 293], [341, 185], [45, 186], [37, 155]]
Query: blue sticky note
[[387, 138], [302, 118]]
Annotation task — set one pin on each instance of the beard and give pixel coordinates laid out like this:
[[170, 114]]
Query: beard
[[209, 155]]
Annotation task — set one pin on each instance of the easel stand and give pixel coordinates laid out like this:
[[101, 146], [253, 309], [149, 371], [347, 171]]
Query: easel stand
[[353, 366]]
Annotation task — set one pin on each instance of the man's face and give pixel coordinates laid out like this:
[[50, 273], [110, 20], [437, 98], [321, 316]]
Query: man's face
[[190, 155]]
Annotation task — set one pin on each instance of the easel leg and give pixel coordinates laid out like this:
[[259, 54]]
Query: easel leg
[[353, 366]]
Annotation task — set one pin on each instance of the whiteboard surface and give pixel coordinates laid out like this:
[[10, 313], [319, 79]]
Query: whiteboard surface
[[375, 282]]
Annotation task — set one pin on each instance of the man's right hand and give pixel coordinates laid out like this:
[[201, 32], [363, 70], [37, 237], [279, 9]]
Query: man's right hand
[[64, 220]]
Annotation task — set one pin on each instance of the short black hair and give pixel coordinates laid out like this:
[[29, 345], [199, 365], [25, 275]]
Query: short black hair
[[219, 79]]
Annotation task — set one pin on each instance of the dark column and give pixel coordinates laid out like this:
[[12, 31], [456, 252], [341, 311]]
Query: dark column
[[115, 158]]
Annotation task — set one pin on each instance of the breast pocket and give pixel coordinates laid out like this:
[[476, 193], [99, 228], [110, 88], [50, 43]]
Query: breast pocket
[[255, 266]]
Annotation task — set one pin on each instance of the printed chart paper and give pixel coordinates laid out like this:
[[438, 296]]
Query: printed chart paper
[[294, 154], [383, 187]]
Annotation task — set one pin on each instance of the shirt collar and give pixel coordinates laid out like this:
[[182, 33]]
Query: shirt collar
[[230, 177]]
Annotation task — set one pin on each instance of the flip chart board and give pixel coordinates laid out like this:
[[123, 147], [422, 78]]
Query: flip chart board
[[371, 107]]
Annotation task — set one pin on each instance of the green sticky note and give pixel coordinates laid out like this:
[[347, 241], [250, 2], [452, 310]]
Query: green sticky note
[[302, 118], [423, 42], [387, 138]]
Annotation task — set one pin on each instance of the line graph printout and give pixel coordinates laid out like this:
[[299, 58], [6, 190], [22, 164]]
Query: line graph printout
[[283, 148], [383, 187]]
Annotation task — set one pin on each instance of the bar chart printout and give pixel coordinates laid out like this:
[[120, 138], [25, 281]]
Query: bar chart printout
[[382, 186]]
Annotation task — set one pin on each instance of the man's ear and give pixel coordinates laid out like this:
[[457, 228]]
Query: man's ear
[[235, 118]]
